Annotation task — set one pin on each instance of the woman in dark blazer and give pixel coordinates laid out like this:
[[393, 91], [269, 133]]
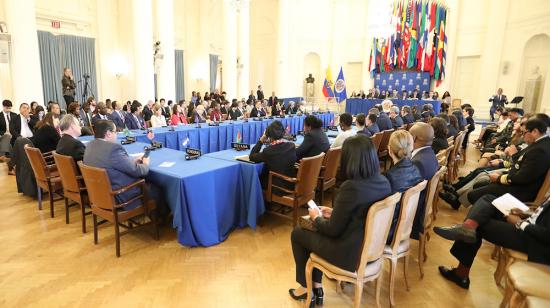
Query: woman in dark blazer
[[46, 135], [278, 155], [341, 229], [440, 134], [315, 139], [404, 174]]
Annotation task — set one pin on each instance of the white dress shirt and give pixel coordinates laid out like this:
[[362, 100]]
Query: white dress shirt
[[7, 120], [158, 121], [342, 136], [25, 129]]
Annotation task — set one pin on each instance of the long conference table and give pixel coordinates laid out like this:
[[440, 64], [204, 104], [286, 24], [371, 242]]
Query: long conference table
[[214, 194], [359, 105]]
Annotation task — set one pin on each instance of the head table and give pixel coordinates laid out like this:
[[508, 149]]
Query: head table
[[214, 194], [359, 105]]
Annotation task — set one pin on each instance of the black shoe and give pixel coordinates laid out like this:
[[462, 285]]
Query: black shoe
[[450, 275], [449, 188], [450, 198], [457, 233], [303, 297], [318, 295]]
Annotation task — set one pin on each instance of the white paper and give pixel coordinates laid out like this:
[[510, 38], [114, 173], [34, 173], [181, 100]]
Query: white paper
[[137, 154], [85, 141], [167, 164], [507, 202], [243, 157], [312, 205]]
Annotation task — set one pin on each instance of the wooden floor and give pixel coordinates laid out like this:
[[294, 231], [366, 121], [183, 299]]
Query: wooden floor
[[46, 263]]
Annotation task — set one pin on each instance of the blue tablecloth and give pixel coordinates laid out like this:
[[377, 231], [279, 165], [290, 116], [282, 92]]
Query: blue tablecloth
[[218, 138], [358, 105], [209, 197]]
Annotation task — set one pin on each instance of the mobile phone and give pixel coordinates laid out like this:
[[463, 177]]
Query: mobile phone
[[147, 153], [311, 204]]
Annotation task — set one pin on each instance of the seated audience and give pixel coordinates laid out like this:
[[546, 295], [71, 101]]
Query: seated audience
[[178, 117], [22, 124], [315, 139], [423, 157], [158, 119], [372, 127], [468, 113], [215, 114], [291, 108], [277, 109], [384, 122], [105, 152], [235, 112], [118, 116], [134, 120], [101, 113], [46, 135], [278, 155], [69, 144], [526, 232], [406, 115], [340, 230], [346, 130], [403, 174], [396, 120], [148, 111], [5, 136], [440, 134], [360, 124], [452, 128], [258, 111]]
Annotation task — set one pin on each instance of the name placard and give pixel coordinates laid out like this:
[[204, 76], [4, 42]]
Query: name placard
[[240, 146]]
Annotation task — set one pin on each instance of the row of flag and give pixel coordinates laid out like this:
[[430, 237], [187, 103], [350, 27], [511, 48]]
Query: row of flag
[[335, 90], [419, 42]]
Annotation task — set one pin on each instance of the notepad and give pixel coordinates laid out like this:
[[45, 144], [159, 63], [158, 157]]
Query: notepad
[[507, 202], [167, 164], [244, 158], [137, 154]]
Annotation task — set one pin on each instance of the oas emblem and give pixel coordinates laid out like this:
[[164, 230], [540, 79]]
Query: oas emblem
[[404, 76], [340, 85], [418, 76], [391, 76]]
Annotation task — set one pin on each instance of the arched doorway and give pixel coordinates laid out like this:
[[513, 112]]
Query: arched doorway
[[312, 65], [536, 56]]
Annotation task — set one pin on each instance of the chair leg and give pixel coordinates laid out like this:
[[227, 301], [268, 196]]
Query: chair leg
[[309, 282], [322, 195], [83, 212], [155, 225], [405, 269], [378, 286], [50, 194], [358, 294], [117, 236], [393, 268], [66, 211], [421, 244], [507, 295], [39, 190], [338, 286], [94, 218], [501, 269]]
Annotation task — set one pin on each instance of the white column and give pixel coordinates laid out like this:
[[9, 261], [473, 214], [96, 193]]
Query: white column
[[24, 55], [142, 21], [491, 56], [244, 49], [282, 58], [166, 79], [229, 55]]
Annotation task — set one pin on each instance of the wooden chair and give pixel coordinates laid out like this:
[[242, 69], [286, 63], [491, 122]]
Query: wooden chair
[[543, 193], [377, 139], [400, 244], [536, 302], [428, 218], [383, 148], [327, 176], [104, 205], [47, 176], [525, 279], [369, 268], [73, 186], [453, 161], [305, 183]]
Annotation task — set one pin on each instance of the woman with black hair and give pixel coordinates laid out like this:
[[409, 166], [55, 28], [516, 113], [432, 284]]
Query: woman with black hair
[[341, 229], [278, 155], [440, 134], [315, 139]]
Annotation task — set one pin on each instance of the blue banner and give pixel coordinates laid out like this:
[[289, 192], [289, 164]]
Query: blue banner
[[402, 81]]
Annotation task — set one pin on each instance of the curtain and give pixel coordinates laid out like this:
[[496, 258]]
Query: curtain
[[51, 68], [213, 71], [74, 52], [180, 89]]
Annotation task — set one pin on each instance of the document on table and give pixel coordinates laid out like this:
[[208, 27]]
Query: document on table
[[244, 158], [167, 164], [137, 154], [507, 202]]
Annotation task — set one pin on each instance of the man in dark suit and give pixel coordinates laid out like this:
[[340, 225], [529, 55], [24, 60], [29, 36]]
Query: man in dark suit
[[415, 94], [423, 157], [404, 95], [118, 116], [260, 93], [315, 139], [85, 115], [272, 99], [22, 124], [105, 152], [165, 109], [383, 121], [257, 111], [406, 115], [101, 113], [134, 120], [526, 176], [5, 137], [361, 125], [527, 232], [69, 144], [148, 110], [396, 120], [372, 127], [498, 100]]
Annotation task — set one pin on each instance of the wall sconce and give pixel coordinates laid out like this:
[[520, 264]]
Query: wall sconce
[[118, 76]]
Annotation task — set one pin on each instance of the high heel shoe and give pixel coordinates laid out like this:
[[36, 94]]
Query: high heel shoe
[[303, 297], [318, 296]]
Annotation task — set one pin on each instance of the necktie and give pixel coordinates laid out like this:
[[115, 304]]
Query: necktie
[[8, 115]]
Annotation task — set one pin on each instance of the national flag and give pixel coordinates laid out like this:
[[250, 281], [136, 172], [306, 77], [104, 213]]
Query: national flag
[[328, 86], [150, 134], [414, 37], [425, 31], [340, 87], [440, 45], [239, 137], [185, 142], [288, 129]]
